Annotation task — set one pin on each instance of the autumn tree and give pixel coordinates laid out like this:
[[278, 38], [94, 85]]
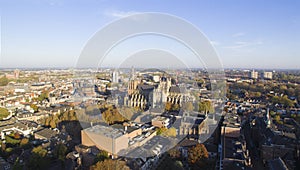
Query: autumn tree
[[109, 164], [160, 131], [34, 107], [172, 107], [176, 107], [168, 106], [171, 132], [112, 116], [197, 153], [24, 142], [174, 153]]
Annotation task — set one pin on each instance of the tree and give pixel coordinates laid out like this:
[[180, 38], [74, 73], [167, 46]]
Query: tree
[[112, 116], [44, 95], [170, 132], [3, 81], [168, 106], [38, 159], [109, 164], [206, 107], [3, 113], [176, 107], [60, 151], [101, 156], [283, 100], [174, 153], [40, 151], [34, 107], [52, 123], [160, 131], [11, 140], [277, 118], [3, 146], [24, 141], [17, 165], [17, 135], [197, 153]]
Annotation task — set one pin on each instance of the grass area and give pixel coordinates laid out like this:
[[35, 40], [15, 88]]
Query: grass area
[[3, 113]]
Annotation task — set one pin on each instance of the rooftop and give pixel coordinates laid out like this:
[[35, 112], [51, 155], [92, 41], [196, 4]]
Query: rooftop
[[277, 164], [107, 131]]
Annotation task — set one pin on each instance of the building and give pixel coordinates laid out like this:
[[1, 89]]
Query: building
[[156, 78], [105, 138], [141, 97], [112, 139], [268, 75], [160, 122], [16, 73], [254, 75], [44, 133], [132, 86], [115, 77], [232, 148], [192, 126]]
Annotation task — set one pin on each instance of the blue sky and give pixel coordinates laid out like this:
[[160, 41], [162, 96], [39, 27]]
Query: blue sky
[[246, 34]]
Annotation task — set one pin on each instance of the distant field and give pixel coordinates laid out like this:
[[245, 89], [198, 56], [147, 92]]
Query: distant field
[[3, 113]]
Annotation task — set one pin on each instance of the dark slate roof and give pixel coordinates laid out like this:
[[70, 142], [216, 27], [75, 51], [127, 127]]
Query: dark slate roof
[[143, 87], [175, 89], [277, 164], [46, 133]]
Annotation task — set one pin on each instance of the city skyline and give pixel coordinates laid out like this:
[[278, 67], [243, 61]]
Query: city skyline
[[245, 34]]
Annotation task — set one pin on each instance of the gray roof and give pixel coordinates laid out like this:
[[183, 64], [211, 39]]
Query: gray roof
[[107, 131]]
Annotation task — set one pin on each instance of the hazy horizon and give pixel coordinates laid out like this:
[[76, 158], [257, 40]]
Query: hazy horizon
[[245, 34]]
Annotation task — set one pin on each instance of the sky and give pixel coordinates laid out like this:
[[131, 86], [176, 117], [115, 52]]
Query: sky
[[245, 34]]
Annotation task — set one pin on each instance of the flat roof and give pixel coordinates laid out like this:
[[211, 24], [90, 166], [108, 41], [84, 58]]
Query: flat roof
[[107, 131]]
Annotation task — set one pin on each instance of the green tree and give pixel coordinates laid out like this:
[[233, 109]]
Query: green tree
[[44, 95], [160, 131], [4, 81], [11, 140], [38, 159], [206, 107], [39, 151], [101, 156], [60, 151], [3, 113], [17, 165]]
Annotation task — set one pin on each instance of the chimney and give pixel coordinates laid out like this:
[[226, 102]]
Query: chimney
[[125, 129]]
